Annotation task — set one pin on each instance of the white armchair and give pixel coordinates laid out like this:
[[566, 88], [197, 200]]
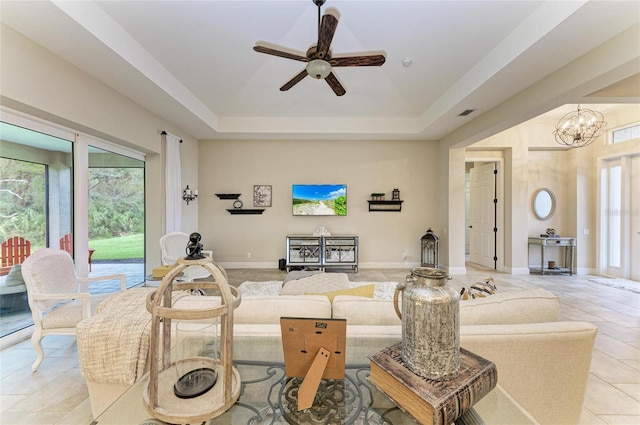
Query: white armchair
[[173, 246], [58, 298]]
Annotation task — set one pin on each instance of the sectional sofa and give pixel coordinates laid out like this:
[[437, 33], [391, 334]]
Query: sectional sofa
[[542, 363]]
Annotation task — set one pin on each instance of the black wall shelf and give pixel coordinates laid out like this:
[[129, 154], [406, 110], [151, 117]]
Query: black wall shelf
[[228, 195], [385, 206], [245, 211]]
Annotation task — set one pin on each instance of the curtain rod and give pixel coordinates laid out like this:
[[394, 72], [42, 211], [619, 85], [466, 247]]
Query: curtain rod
[[164, 133]]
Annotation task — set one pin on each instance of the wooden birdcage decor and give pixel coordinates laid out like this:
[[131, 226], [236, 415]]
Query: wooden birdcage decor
[[429, 252], [196, 387]]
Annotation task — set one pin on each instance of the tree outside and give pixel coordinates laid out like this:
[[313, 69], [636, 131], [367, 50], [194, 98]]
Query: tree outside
[[22, 201]]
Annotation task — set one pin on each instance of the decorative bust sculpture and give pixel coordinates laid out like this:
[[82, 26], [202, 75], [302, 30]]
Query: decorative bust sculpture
[[194, 247]]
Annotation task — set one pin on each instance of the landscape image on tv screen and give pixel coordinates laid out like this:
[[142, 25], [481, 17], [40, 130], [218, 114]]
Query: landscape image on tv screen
[[319, 199]]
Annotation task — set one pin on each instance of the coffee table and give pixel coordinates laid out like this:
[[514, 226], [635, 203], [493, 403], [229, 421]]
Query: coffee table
[[268, 397]]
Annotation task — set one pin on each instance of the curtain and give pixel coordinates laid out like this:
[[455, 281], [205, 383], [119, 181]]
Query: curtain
[[173, 184]]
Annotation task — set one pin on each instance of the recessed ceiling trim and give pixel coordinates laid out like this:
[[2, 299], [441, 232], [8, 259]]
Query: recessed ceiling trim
[[539, 24], [97, 22]]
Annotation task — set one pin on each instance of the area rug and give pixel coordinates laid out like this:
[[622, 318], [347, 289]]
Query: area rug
[[627, 285], [383, 290]]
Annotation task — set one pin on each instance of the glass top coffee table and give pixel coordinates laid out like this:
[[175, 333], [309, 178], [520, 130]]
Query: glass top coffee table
[[268, 397]]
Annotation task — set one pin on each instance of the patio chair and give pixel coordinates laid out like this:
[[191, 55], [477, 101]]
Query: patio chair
[[173, 246], [58, 298], [13, 251], [66, 244]]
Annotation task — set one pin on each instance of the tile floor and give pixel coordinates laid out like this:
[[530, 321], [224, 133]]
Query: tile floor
[[57, 394]]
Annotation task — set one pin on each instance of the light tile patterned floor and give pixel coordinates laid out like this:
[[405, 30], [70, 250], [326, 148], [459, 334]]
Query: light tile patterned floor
[[57, 393]]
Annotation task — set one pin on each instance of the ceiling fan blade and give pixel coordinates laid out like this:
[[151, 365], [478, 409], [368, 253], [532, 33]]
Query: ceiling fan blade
[[364, 60], [280, 53], [295, 80], [325, 34], [335, 85]]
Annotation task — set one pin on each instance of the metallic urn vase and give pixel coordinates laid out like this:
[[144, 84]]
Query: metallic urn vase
[[430, 324]]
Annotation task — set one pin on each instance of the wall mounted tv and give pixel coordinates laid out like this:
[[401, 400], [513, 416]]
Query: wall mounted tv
[[319, 199]]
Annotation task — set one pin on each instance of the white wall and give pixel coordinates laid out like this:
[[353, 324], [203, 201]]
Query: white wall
[[365, 166]]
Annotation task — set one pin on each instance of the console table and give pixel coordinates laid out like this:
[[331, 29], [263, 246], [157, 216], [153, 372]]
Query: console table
[[567, 244], [269, 397], [322, 251]]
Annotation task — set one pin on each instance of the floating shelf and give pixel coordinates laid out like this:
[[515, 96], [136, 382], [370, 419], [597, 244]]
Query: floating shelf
[[228, 195], [245, 211], [385, 205]]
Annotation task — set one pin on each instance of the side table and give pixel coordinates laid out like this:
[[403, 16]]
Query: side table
[[567, 244]]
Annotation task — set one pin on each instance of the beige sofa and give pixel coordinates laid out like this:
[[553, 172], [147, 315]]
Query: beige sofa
[[541, 362]]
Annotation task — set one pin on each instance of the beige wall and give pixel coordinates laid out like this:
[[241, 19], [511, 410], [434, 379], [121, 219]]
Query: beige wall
[[365, 166], [36, 82]]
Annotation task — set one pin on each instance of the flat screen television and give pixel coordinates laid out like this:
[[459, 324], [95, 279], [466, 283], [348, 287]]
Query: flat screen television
[[319, 199]]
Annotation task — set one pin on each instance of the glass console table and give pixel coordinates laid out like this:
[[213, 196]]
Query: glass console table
[[268, 397]]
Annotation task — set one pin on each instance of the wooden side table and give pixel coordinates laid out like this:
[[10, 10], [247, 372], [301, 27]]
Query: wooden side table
[[568, 244]]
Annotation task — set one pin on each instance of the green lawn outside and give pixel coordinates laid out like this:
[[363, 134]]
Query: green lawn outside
[[119, 248]]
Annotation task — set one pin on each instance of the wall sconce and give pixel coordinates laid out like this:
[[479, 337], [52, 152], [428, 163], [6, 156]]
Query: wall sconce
[[189, 195]]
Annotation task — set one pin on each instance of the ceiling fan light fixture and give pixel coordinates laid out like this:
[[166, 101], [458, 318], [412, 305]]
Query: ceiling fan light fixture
[[318, 69]]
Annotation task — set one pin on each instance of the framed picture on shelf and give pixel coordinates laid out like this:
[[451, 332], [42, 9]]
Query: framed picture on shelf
[[262, 195]]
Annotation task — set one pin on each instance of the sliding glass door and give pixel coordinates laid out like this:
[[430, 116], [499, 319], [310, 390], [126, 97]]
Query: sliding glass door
[[36, 208], [65, 190], [116, 214]]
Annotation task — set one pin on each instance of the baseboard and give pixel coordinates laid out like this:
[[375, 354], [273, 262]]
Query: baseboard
[[249, 265], [456, 270], [517, 270], [389, 265]]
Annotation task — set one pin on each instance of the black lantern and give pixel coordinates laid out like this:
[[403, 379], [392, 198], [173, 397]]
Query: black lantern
[[429, 250]]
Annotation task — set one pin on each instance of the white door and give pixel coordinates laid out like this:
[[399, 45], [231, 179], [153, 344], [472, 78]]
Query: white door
[[634, 191], [467, 216], [620, 229], [482, 209]]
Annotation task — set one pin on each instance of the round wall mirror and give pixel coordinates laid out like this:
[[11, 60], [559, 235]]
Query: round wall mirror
[[544, 204]]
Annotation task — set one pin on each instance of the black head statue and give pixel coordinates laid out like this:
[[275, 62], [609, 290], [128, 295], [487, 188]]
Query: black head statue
[[194, 247]]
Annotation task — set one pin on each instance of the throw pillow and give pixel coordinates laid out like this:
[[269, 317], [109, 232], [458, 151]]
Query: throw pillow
[[14, 278], [479, 289], [360, 291]]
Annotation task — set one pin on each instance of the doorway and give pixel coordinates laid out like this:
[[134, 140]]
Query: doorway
[[484, 224]]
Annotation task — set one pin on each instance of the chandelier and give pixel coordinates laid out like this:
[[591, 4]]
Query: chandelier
[[580, 128]]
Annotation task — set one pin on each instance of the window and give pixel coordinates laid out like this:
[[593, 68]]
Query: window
[[625, 134], [23, 201]]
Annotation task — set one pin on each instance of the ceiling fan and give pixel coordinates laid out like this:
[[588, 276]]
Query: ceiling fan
[[319, 59]]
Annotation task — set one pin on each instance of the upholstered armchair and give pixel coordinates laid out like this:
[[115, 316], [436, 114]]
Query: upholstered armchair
[[58, 298]]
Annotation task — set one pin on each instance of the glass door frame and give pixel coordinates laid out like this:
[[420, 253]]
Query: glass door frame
[[605, 213]]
